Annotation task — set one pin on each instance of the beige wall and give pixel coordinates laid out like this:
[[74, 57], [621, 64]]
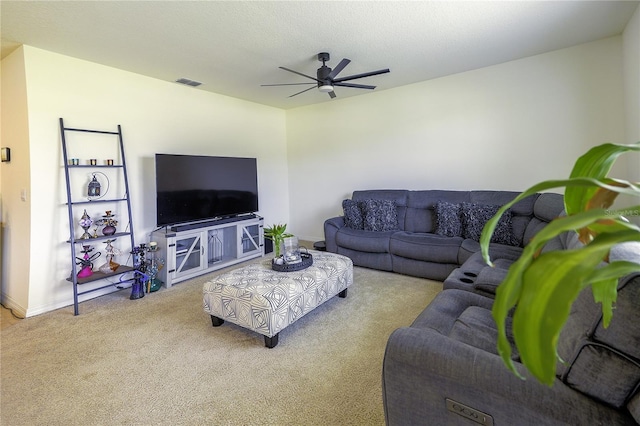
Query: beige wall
[[156, 116], [631, 48], [501, 127], [16, 214]]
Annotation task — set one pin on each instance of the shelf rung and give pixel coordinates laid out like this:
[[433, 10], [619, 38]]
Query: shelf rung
[[70, 129], [100, 238], [97, 275], [101, 200]]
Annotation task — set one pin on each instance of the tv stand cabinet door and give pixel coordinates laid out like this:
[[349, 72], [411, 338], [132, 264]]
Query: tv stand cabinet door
[[186, 252], [251, 239]]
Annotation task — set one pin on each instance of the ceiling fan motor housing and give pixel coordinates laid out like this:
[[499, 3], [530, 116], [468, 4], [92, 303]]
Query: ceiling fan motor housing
[[323, 73], [324, 83]]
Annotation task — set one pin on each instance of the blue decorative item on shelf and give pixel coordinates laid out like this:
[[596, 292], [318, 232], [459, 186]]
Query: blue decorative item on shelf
[[94, 187]]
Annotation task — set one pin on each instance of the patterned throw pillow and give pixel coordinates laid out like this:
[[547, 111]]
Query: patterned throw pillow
[[475, 216], [448, 221], [352, 215], [379, 215]]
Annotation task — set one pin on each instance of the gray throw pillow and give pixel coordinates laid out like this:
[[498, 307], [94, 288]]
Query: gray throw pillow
[[448, 221], [352, 215], [475, 217], [379, 215]]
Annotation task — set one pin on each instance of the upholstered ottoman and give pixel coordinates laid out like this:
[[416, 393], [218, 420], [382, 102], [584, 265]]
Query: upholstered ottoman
[[265, 301]]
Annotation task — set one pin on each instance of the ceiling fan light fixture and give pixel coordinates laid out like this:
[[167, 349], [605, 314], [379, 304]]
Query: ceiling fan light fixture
[[325, 88]]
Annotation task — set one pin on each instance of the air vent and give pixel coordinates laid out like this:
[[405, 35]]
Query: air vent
[[188, 82]]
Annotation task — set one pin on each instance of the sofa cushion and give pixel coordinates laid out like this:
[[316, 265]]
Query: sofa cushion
[[604, 373], [365, 241], [352, 214], [475, 216], [448, 221], [379, 215], [634, 406], [476, 327], [490, 278], [425, 247], [398, 196]]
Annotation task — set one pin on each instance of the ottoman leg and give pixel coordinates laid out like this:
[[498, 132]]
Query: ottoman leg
[[217, 322], [271, 342], [343, 293]]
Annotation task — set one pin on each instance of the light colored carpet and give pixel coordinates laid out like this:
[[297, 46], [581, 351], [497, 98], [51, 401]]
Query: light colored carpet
[[158, 360]]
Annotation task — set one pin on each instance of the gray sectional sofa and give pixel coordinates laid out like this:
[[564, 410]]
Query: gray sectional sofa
[[444, 368], [421, 245]]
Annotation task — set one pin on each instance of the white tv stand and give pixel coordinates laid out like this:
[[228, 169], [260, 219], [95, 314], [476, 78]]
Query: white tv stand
[[195, 249]]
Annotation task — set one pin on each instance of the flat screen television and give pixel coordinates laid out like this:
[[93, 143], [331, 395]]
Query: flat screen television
[[193, 188]]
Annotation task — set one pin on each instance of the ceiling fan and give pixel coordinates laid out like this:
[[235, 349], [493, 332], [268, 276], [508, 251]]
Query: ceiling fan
[[326, 77]]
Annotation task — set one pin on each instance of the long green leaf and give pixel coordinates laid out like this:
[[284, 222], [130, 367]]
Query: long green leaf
[[603, 292], [595, 163], [509, 292], [549, 287]]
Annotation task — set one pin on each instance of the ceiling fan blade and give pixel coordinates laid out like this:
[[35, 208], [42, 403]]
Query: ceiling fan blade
[[305, 90], [366, 74], [286, 84], [299, 73], [332, 94], [357, 86], [334, 72]]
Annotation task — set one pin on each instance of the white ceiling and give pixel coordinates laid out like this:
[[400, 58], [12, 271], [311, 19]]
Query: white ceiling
[[233, 47]]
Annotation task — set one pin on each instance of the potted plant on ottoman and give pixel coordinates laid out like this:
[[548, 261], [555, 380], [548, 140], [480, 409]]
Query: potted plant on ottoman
[[277, 234]]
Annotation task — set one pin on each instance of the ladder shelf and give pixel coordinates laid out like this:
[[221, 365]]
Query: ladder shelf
[[76, 205]]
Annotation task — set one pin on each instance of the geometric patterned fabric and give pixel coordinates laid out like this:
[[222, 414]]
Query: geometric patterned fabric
[[266, 301]]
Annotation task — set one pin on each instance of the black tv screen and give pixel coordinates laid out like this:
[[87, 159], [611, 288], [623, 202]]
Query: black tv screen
[[191, 188]]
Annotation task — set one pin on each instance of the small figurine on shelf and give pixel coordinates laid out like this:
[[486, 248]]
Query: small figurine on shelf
[[110, 251], [85, 223], [108, 222], [86, 262]]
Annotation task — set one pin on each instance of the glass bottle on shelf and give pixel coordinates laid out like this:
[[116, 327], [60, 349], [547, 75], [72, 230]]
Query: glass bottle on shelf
[[156, 263], [110, 251]]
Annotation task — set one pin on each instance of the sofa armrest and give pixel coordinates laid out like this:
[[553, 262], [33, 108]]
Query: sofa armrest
[[422, 368], [331, 227]]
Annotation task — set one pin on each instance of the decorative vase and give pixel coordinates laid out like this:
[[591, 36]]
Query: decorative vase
[[86, 262], [137, 290], [290, 250], [85, 223], [109, 223]]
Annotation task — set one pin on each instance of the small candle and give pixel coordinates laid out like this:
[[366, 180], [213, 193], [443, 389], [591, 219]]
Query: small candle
[[93, 161], [109, 162], [153, 244]]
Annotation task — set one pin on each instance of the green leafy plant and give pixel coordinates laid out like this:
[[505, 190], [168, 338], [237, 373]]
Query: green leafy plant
[[277, 233], [542, 287]]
